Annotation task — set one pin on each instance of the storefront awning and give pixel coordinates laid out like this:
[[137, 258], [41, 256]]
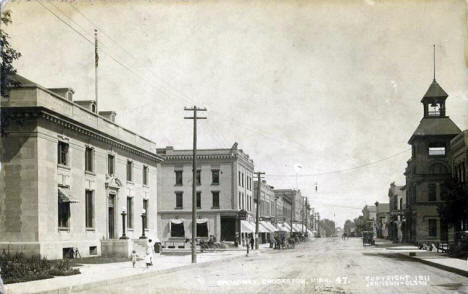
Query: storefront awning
[[202, 220], [268, 227], [287, 226], [63, 197], [177, 221], [282, 228], [262, 228], [297, 228], [247, 227]]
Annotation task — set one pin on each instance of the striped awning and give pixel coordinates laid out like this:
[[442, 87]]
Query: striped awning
[[64, 198], [247, 227]]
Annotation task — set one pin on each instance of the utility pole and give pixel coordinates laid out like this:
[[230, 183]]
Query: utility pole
[[259, 183], [195, 109], [96, 63]]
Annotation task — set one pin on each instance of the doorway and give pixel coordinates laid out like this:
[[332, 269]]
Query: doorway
[[110, 216]]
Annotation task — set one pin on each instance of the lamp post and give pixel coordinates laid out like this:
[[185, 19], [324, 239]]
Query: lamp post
[[143, 221], [123, 214]]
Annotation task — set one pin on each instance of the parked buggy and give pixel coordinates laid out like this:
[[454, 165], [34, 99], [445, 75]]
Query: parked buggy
[[368, 238]]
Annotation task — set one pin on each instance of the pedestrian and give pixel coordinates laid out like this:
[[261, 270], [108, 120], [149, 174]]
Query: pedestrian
[[149, 251], [148, 260], [134, 258], [252, 242]]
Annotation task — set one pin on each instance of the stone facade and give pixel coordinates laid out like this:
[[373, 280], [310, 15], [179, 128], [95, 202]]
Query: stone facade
[[428, 168], [293, 205], [227, 173], [51, 199]]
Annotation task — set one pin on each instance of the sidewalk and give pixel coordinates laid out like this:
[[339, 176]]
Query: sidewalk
[[435, 259], [93, 275]]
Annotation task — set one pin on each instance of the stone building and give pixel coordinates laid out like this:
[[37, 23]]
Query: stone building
[[428, 168], [397, 200], [293, 208], [224, 188], [267, 210], [458, 161], [68, 173]]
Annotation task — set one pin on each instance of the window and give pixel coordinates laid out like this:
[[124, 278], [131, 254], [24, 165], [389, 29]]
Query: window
[[215, 177], [129, 170], [434, 109], [179, 200], [443, 192], [177, 230], [198, 175], [178, 178], [89, 159], [240, 200], [401, 203], [215, 195], [432, 191], [89, 208], [62, 155], [242, 182], [129, 212], [145, 175], [198, 199], [110, 164], [239, 177], [63, 214], [437, 151], [145, 216], [432, 223], [202, 229]]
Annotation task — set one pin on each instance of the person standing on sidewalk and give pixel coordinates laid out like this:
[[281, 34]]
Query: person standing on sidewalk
[[134, 258], [252, 242], [2, 286], [149, 251]]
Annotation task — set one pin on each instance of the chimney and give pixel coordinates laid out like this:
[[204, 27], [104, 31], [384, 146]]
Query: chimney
[[109, 115], [66, 93]]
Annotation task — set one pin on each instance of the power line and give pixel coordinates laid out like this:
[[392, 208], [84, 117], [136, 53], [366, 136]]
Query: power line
[[345, 169]]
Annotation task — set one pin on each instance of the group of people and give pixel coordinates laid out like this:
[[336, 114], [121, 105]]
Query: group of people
[[149, 254]]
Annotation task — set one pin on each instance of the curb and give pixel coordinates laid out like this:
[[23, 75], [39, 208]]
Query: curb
[[438, 265], [113, 281]]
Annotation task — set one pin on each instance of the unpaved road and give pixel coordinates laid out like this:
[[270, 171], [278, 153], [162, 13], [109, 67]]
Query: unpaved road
[[327, 265]]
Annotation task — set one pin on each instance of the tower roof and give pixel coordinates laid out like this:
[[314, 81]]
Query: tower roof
[[434, 91], [441, 126]]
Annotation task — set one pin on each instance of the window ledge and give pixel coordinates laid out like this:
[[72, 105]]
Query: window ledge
[[63, 166], [214, 184], [90, 229], [178, 185], [179, 208], [145, 186], [64, 229], [130, 182], [91, 173], [130, 229], [215, 207]]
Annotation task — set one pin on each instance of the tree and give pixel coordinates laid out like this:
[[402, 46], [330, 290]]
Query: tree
[[362, 224], [8, 56], [455, 209], [328, 226], [349, 226]]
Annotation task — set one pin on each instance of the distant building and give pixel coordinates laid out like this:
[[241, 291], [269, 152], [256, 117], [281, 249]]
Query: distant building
[[428, 168], [293, 208], [224, 188], [67, 175], [266, 209], [397, 199], [382, 219]]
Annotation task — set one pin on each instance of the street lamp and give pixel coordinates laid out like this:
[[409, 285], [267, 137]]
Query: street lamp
[[123, 214], [143, 221]]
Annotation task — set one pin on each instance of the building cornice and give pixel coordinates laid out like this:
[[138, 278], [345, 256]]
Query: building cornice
[[19, 114]]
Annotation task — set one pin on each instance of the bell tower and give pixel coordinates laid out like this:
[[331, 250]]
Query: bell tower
[[434, 101]]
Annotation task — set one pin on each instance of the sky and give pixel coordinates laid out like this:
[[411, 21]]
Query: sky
[[334, 86]]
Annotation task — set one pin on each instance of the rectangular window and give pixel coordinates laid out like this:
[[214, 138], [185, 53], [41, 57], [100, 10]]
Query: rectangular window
[[198, 199], [215, 199], [89, 159], [110, 164], [242, 182], [239, 177], [62, 153], [432, 191], [436, 151], [179, 200], [215, 177], [178, 178], [240, 200], [145, 216], [89, 208], [129, 212], [198, 175], [63, 214], [432, 223], [129, 170], [145, 175]]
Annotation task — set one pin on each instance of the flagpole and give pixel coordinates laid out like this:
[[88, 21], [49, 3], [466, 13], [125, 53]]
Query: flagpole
[[96, 61]]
